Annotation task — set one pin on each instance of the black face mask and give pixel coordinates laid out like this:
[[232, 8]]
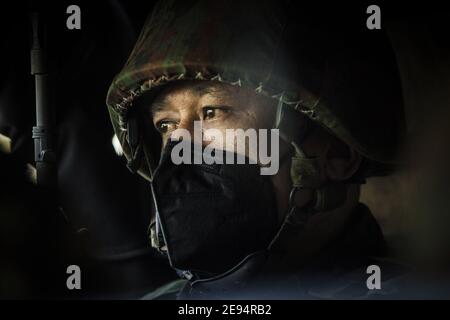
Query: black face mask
[[212, 216]]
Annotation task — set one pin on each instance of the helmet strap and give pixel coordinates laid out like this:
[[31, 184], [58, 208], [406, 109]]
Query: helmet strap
[[306, 174]]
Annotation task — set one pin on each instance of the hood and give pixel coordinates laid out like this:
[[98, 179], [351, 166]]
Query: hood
[[333, 69]]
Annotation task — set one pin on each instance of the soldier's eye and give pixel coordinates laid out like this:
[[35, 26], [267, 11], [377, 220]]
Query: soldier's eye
[[214, 112], [165, 126]]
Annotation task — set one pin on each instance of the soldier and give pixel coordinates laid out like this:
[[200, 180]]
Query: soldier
[[330, 86]]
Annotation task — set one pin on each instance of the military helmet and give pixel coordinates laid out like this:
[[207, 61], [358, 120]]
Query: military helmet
[[326, 66]]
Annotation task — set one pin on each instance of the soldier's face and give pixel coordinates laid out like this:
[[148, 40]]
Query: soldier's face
[[218, 106]]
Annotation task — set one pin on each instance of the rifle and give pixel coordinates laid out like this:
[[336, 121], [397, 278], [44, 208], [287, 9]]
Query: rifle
[[44, 140]]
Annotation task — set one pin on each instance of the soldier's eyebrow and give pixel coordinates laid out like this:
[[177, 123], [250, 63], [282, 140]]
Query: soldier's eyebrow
[[159, 103], [157, 106]]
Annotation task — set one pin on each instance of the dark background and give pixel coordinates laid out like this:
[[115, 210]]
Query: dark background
[[104, 218]]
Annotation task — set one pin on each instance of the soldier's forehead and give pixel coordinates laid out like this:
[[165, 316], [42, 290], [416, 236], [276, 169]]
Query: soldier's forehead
[[198, 88]]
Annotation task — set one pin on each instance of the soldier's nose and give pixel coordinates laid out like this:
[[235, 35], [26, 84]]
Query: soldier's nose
[[191, 129]]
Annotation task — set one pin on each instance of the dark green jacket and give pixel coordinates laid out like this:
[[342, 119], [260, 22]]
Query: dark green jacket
[[337, 272]]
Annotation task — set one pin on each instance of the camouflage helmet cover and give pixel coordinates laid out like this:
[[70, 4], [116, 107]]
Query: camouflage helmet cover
[[334, 70]]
